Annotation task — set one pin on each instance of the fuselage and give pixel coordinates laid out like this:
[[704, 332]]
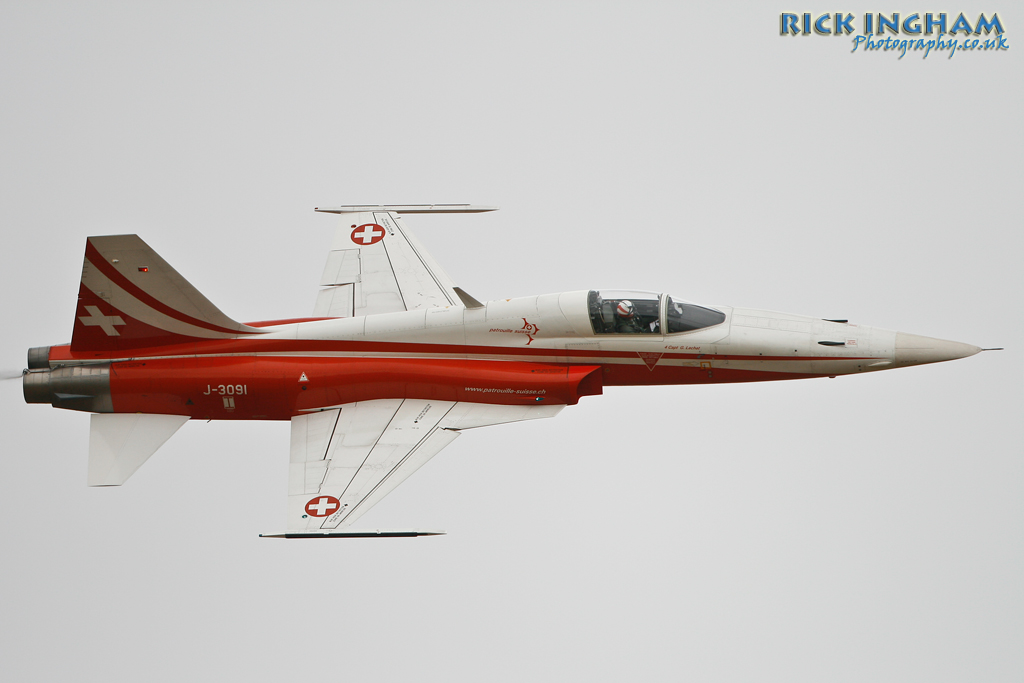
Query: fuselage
[[539, 349]]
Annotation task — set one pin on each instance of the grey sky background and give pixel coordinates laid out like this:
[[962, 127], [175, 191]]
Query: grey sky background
[[862, 528]]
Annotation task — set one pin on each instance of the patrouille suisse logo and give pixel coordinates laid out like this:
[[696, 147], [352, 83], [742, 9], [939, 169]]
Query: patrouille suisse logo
[[528, 328], [932, 31]]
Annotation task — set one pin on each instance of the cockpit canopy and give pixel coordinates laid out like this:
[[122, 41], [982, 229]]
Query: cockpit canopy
[[625, 312]]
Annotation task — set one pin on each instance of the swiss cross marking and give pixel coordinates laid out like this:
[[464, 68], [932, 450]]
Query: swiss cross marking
[[367, 234], [104, 322], [321, 506]]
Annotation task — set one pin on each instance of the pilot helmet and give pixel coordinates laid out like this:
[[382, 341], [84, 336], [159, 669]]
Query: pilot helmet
[[625, 309]]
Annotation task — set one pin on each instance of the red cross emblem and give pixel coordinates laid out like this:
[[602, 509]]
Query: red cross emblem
[[321, 506], [367, 234]]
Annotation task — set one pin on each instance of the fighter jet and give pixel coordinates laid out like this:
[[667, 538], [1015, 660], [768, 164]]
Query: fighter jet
[[396, 361]]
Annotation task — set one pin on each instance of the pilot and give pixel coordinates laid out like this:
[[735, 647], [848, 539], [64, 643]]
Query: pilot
[[626, 319]]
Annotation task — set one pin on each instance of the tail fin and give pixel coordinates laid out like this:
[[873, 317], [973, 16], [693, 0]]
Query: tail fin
[[130, 298]]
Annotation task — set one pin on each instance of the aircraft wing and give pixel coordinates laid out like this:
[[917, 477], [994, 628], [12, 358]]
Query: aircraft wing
[[346, 459], [377, 266]]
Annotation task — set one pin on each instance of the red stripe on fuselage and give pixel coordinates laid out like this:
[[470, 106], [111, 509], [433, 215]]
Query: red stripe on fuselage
[[313, 347], [287, 321]]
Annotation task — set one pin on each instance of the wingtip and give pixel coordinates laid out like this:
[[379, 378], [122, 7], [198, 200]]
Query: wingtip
[[365, 533], [408, 208]]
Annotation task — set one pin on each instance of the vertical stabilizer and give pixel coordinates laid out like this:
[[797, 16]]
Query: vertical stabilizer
[[120, 442], [131, 298]]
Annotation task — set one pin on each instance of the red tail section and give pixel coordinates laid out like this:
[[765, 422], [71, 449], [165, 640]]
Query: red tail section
[[130, 298]]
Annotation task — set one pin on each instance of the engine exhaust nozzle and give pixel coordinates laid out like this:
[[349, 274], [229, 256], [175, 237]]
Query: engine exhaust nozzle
[[39, 358], [78, 387]]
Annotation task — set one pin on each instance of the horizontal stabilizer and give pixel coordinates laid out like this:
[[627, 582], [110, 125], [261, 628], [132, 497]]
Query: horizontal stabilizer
[[353, 534], [120, 442]]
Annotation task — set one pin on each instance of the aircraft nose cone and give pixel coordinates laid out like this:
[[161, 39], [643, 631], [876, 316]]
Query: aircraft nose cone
[[912, 349]]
